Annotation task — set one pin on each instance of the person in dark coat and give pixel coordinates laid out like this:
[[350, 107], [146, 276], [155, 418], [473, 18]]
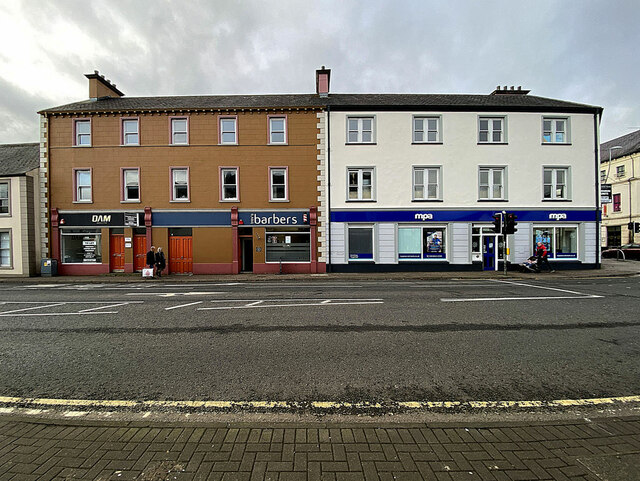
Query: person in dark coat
[[542, 255], [151, 257], [161, 262]]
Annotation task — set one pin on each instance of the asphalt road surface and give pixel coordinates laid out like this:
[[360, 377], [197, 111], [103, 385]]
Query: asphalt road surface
[[322, 340]]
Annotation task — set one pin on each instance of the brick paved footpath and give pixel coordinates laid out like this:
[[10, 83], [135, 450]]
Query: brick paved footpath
[[83, 449]]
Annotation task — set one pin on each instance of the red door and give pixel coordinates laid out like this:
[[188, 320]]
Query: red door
[[180, 255], [139, 252], [116, 253]]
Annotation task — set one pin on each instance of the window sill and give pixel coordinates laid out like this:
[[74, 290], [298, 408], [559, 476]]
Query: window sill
[[83, 202], [228, 201], [360, 143], [130, 202], [555, 200], [370, 201], [235, 144], [278, 143], [180, 201], [555, 143], [280, 200], [178, 145], [427, 143], [493, 143], [129, 145], [427, 200], [493, 200], [82, 146]]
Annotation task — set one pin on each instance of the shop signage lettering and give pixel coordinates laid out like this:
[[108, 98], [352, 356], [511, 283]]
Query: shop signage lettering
[[273, 219], [101, 219], [423, 216], [557, 216]]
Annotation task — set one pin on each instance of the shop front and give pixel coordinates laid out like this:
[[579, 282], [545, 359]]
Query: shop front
[[409, 240]]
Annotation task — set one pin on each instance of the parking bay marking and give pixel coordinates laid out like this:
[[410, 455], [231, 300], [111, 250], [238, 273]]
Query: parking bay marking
[[577, 295], [44, 305], [263, 303]]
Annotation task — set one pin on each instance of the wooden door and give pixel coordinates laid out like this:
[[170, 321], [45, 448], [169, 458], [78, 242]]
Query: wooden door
[[180, 255], [139, 252], [116, 253]]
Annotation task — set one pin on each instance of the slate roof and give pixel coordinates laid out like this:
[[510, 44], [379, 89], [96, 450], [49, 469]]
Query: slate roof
[[630, 144], [444, 102], [18, 159]]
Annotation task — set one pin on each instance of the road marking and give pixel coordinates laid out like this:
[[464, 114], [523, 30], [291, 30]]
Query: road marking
[[28, 314], [539, 287], [182, 305], [319, 405], [540, 298], [35, 307], [173, 294], [253, 303], [260, 303], [104, 307]]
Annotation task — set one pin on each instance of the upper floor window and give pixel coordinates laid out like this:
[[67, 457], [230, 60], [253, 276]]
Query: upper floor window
[[179, 131], [229, 183], [491, 183], [277, 130], [360, 130], [82, 132], [131, 184], [426, 130], [554, 130], [360, 184], [620, 172], [83, 185], [4, 197], [130, 132], [617, 202], [555, 183], [426, 183], [228, 130], [491, 130], [5, 249], [180, 184], [278, 181]]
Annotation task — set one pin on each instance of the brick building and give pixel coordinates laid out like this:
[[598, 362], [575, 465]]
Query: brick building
[[224, 184]]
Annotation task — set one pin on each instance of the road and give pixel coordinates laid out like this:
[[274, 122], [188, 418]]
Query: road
[[322, 340]]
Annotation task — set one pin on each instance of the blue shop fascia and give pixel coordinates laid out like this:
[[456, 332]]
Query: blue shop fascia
[[453, 239]]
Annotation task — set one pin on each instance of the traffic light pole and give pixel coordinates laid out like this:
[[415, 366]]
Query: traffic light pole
[[505, 248]]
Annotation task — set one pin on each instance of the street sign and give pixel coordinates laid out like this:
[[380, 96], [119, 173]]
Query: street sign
[[605, 193]]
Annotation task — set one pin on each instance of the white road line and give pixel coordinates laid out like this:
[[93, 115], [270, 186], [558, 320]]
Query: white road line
[[288, 305], [104, 307], [35, 307], [173, 294], [326, 302], [539, 287], [26, 314], [182, 305], [297, 299], [253, 303], [541, 298]]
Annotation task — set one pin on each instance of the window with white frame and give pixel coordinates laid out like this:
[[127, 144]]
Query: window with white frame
[[620, 171], [561, 242], [277, 130], [228, 130], [426, 183], [82, 132], [130, 132], [426, 130], [554, 130], [278, 181], [131, 184], [360, 130], [180, 184], [4, 197], [360, 241], [420, 243], [491, 130], [229, 183], [179, 131], [491, 183], [83, 185], [360, 184], [5, 249], [555, 183]]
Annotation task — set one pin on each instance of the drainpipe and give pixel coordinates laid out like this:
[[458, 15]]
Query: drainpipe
[[328, 181], [633, 175], [596, 122]]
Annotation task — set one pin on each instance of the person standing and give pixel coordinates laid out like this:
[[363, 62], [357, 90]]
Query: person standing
[[161, 262], [542, 254], [151, 257]]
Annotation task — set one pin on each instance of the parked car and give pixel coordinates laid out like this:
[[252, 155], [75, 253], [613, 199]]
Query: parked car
[[631, 251]]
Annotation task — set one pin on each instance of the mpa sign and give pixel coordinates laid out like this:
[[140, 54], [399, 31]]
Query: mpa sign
[[560, 216]]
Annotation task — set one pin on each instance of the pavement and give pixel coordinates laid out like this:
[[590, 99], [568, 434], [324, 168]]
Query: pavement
[[66, 445]]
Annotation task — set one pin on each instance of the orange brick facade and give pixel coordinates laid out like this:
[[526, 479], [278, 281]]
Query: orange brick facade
[[217, 246]]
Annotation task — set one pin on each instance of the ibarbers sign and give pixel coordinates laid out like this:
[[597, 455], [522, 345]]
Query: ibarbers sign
[[273, 218]]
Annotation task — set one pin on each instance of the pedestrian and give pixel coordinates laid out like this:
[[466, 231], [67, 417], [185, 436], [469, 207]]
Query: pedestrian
[[151, 258], [161, 262], [542, 255]]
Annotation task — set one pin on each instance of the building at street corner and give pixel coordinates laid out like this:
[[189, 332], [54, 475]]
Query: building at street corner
[[620, 175], [224, 184], [416, 179], [19, 210]]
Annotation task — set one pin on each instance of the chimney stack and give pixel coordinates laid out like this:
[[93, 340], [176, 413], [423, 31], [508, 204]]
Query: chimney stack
[[323, 76], [510, 91], [101, 88]]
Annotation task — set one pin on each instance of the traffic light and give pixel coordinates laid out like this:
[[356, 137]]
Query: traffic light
[[510, 224], [497, 223]]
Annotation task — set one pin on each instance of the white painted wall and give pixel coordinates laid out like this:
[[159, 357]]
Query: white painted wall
[[393, 156]]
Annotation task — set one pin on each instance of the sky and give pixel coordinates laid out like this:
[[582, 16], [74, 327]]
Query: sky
[[582, 51]]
